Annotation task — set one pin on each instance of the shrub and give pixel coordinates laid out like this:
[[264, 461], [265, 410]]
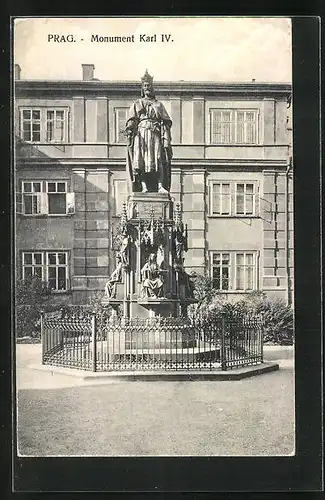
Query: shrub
[[212, 307], [31, 297]]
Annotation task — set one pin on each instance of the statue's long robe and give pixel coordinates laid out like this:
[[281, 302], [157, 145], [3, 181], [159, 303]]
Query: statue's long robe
[[150, 149]]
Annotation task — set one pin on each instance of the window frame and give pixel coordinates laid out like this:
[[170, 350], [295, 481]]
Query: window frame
[[45, 266], [33, 195], [232, 279], [43, 123], [43, 197], [233, 198], [233, 126], [54, 193]]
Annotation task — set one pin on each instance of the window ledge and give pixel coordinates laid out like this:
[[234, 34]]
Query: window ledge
[[236, 291], [215, 216], [45, 215]]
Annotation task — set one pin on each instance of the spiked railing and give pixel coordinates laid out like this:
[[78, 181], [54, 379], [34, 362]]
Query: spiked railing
[[100, 343]]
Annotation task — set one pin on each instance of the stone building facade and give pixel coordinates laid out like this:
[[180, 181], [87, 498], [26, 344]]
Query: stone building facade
[[231, 174]]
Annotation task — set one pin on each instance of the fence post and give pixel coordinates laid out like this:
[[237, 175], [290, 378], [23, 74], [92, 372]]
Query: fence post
[[94, 342], [42, 337], [223, 345], [262, 323]]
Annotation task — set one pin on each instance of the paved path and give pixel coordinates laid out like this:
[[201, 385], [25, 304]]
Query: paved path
[[66, 416]]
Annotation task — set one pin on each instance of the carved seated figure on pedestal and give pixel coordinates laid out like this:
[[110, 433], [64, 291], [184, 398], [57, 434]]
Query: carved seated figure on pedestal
[[151, 278], [115, 277]]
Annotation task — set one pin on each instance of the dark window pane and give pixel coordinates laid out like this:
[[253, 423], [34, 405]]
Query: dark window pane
[[28, 204], [37, 187], [62, 284], [57, 204], [26, 113], [52, 272], [35, 205], [52, 284], [51, 187], [26, 135], [38, 272], [37, 258], [225, 284], [50, 115], [62, 258], [36, 137], [61, 187], [51, 258], [36, 114], [62, 278], [27, 258], [49, 131]]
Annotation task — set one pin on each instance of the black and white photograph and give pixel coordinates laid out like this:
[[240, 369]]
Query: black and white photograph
[[154, 237]]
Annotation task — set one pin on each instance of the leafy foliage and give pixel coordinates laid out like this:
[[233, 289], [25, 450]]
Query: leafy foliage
[[212, 306], [32, 296]]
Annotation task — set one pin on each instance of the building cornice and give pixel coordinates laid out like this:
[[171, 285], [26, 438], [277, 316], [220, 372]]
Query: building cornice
[[119, 163], [131, 87]]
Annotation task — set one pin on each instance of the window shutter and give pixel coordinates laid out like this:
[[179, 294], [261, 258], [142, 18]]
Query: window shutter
[[233, 206], [257, 199], [266, 210], [70, 206], [19, 203], [43, 203]]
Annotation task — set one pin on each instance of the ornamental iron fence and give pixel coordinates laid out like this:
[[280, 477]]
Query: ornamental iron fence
[[97, 343]]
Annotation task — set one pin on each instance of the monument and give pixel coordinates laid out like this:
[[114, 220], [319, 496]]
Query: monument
[[151, 239]]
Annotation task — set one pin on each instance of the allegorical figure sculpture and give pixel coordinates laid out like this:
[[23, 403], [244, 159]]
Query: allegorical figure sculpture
[[152, 283], [180, 243], [149, 150], [125, 248], [115, 277]]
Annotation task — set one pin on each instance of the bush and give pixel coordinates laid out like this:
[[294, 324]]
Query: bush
[[212, 306], [32, 296]]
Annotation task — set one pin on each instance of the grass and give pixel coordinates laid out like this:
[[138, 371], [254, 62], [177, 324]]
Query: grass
[[249, 417]]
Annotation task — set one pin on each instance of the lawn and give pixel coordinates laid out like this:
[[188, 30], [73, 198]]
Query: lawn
[[249, 417]]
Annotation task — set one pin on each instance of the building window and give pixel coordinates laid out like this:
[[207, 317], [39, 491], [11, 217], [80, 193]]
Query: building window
[[32, 197], [235, 271], [221, 198], [245, 198], [57, 199], [44, 125], [31, 125], [221, 270], [232, 126], [50, 267], [120, 122], [237, 199], [45, 198], [55, 125]]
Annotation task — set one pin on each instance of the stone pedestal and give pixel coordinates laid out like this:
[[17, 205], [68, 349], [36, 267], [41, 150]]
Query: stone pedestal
[[146, 205], [150, 220]]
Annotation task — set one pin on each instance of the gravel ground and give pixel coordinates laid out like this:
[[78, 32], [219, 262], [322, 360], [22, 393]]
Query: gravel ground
[[59, 415]]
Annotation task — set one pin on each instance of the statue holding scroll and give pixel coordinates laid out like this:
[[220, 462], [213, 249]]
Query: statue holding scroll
[[149, 150], [151, 278], [115, 277]]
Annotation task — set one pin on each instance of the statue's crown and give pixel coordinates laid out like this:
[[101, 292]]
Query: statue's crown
[[147, 78]]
